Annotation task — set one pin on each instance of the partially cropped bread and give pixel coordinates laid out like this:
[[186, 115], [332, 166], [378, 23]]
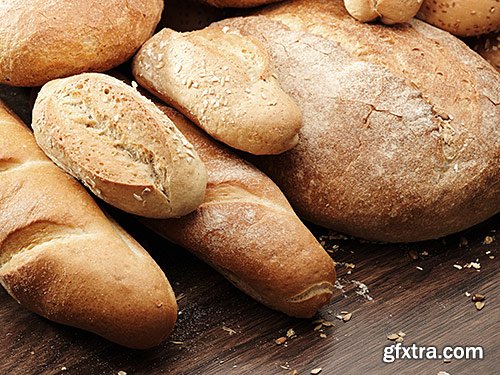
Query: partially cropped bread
[[42, 40], [238, 3], [63, 259], [488, 46], [247, 230], [224, 83], [462, 17], [117, 142], [401, 124], [389, 11]]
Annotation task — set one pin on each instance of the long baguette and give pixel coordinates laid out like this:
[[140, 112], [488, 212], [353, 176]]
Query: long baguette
[[63, 259], [247, 231]]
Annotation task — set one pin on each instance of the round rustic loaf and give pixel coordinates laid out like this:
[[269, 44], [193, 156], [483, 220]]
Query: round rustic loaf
[[401, 136], [43, 40], [462, 17]]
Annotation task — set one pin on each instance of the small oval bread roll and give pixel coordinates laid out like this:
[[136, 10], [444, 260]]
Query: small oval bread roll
[[223, 82], [43, 40], [389, 11], [114, 140], [462, 17]]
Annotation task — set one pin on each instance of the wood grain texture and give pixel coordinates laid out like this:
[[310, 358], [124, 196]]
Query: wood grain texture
[[429, 305]]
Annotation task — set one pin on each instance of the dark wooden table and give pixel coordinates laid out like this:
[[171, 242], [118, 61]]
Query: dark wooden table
[[413, 288]]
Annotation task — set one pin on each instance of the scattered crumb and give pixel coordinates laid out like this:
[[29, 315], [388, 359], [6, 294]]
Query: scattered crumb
[[122, 373], [290, 333], [397, 337], [285, 366], [347, 317], [488, 240], [177, 342], [424, 253], [479, 305], [229, 330], [294, 372], [323, 336], [363, 290], [280, 341], [442, 373], [180, 296], [419, 268], [467, 294], [457, 266], [64, 368], [316, 371], [478, 297]]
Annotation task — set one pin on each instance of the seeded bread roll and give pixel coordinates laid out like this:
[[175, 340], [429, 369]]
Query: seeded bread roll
[[223, 82], [117, 142], [401, 138], [238, 3], [389, 11], [42, 40], [462, 17], [247, 231], [63, 259]]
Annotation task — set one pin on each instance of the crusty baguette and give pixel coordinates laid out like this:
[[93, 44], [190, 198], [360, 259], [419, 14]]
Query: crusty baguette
[[63, 259], [462, 17], [401, 124], [42, 40], [120, 145], [247, 231], [222, 82]]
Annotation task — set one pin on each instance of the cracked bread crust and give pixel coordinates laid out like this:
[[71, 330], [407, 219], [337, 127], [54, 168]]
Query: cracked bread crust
[[401, 125], [117, 142]]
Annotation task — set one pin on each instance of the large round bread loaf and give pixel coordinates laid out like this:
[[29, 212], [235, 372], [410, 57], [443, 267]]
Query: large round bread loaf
[[401, 124], [43, 40]]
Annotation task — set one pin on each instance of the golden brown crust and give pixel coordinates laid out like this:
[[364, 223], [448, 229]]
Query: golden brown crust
[[247, 230], [401, 142], [42, 40], [117, 142], [462, 17], [223, 82], [63, 259]]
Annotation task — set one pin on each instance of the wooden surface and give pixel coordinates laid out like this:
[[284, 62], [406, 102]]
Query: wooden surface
[[222, 331]]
